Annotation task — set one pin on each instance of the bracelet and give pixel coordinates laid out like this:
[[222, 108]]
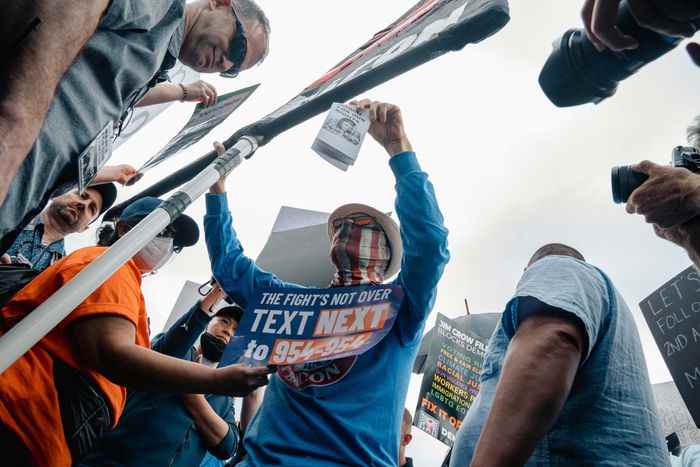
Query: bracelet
[[184, 92]]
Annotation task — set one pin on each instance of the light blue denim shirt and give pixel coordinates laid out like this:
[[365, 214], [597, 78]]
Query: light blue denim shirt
[[610, 416]]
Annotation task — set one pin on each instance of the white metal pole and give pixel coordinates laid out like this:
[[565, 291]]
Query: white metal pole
[[25, 334]]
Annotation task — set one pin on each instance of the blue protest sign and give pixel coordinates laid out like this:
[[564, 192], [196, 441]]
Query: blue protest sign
[[295, 326]]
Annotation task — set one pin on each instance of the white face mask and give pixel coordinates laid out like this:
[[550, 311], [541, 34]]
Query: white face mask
[[154, 255]]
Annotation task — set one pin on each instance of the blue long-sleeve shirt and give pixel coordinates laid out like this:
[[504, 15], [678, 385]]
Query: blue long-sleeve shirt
[[346, 411], [156, 429]]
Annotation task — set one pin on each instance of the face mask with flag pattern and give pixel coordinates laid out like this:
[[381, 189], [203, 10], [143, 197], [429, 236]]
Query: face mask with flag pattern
[[360, 251]]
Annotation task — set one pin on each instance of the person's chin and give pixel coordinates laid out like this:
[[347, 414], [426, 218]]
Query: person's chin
[[68, 222]]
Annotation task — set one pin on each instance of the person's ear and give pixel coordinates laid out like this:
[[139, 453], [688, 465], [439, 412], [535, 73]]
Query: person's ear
[[407, 438]]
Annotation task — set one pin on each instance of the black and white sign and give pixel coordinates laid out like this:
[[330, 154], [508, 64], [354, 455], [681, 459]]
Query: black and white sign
[[673, 315], [341, 137], [203, 120], [94, 156]]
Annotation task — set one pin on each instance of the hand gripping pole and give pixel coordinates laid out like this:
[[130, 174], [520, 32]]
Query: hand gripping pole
[[25, 334]]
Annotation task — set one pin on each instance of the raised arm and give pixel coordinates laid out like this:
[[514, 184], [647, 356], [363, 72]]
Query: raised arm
[[423, 232], [182, 335], [237, 274]]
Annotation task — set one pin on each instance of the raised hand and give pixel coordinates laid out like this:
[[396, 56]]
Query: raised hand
[[670, 197], [386, 125], [668, 17]]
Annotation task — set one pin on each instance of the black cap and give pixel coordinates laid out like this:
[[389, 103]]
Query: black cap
[[108, 192], [186, 230], [231, 311]]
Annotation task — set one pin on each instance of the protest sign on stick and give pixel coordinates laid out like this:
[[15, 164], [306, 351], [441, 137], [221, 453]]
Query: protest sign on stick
[[673, 315], [203, 120], [292, 326], [451, 380]]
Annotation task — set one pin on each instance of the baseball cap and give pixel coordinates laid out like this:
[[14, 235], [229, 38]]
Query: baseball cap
[[186, 230], [108, 192], [231, 311]]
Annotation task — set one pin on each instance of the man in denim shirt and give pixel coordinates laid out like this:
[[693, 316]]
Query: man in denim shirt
[[42, 243], [564, 380]]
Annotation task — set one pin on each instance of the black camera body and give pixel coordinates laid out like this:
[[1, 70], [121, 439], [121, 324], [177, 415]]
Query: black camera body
[[625, 180]]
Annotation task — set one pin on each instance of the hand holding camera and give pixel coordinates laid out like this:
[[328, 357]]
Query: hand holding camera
[[620, 38], [669, 197]]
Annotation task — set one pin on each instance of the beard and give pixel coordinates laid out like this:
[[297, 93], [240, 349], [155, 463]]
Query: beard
[[66, 217]]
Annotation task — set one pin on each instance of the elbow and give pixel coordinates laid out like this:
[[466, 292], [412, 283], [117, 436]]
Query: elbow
[[558, 343], [111, 362]]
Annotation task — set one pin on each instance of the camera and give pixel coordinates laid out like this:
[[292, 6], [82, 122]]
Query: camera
[[576, 73], [625, 180]]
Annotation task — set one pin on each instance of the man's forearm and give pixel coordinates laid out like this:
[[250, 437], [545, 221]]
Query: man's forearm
[[535, 381], [162, 93], [251, 404], [146, 370], [210, 426]]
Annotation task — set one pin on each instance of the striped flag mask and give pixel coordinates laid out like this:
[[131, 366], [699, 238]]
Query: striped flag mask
[[360, 251]]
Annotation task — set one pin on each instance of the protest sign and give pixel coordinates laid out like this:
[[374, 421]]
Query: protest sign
[[341, 136], [673, 315], [297, 249], [291, 326], [479, 325], [93, 158], [203, 120], [450, 383], [141, 116]]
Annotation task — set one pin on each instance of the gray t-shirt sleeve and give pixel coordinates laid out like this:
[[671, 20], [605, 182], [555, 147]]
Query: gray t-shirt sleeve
[[568, 286], [134, 14]]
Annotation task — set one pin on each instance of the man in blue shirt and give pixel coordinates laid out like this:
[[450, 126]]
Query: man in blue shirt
[[346, 411], [564, 380], [42, 243]]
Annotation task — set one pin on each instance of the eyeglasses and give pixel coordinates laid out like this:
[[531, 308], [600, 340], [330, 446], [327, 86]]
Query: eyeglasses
[[237, 49]]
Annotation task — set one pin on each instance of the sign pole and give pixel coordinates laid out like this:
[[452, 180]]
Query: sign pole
[[20, 338]]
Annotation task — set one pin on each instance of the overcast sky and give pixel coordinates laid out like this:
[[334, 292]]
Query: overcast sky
[[511, 171]]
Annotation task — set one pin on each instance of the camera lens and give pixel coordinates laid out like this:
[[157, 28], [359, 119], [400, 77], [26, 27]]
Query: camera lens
[[624, 182], [566, 77], [577, 73]]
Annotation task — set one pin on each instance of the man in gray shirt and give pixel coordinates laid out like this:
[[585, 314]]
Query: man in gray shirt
[[135, 43], [564, 380]]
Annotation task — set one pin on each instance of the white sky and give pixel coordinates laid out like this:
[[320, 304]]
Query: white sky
[[511, 171]]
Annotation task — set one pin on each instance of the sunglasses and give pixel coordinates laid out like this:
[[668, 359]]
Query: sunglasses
[[237, 49], [359, 219]]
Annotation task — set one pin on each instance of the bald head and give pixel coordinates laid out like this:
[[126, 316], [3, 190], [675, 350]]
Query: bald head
[[555, 249]]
